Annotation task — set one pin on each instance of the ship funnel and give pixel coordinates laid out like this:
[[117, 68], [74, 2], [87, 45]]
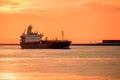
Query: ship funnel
[[29, 29]]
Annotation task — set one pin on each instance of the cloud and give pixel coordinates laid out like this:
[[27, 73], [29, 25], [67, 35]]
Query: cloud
[[11, 6], [4, 2], [37, 4], [102, 7], [98, 5]]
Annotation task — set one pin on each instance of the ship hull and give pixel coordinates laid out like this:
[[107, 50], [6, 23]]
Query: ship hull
[[46, 45]]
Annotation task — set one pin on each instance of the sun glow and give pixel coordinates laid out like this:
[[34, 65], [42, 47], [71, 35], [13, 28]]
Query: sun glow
[[5, 8], [10, 9], [12, 6]]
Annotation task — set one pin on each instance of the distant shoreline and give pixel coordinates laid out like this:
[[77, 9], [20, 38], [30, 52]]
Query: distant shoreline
[[97, 44], [9, 44]]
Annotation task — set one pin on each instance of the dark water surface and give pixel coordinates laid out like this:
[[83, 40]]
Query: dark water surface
[[77, 63]]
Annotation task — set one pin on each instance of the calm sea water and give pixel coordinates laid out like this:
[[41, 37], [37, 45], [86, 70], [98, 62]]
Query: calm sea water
[[77, 63]]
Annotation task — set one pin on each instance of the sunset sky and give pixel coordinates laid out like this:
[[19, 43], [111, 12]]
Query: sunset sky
[[83, 21]]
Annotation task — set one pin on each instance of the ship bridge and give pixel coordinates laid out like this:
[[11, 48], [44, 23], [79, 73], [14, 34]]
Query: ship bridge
[[31, 36]]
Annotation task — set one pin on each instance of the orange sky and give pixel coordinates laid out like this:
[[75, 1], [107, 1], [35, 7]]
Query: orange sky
[[83, 21]]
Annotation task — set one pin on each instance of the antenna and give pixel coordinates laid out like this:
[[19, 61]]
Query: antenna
[[62, 34], [24, 31]]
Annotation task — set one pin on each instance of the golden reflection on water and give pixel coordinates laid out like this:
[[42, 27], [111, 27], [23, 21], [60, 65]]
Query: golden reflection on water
[[49, 76], [88, 64], [8, 76]]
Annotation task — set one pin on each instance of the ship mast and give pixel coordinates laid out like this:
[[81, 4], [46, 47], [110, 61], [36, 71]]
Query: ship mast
[[62, 34]]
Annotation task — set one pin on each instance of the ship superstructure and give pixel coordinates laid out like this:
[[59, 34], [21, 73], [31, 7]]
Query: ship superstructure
[[33, 40]]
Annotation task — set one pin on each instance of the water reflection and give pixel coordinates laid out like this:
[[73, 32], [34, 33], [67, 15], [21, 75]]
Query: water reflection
[[8, 76], [78, 63], [49, 76]]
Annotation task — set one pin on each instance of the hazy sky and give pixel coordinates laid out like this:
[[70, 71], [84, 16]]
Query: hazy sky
[[83, 21]]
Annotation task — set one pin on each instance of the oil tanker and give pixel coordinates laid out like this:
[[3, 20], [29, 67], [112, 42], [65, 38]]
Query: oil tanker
[[33, 40]]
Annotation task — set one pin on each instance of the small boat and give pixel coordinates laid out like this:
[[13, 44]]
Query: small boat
[[33, 40]]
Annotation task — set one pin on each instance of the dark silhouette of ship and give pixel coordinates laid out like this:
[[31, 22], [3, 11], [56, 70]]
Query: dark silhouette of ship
[[33, 40]]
